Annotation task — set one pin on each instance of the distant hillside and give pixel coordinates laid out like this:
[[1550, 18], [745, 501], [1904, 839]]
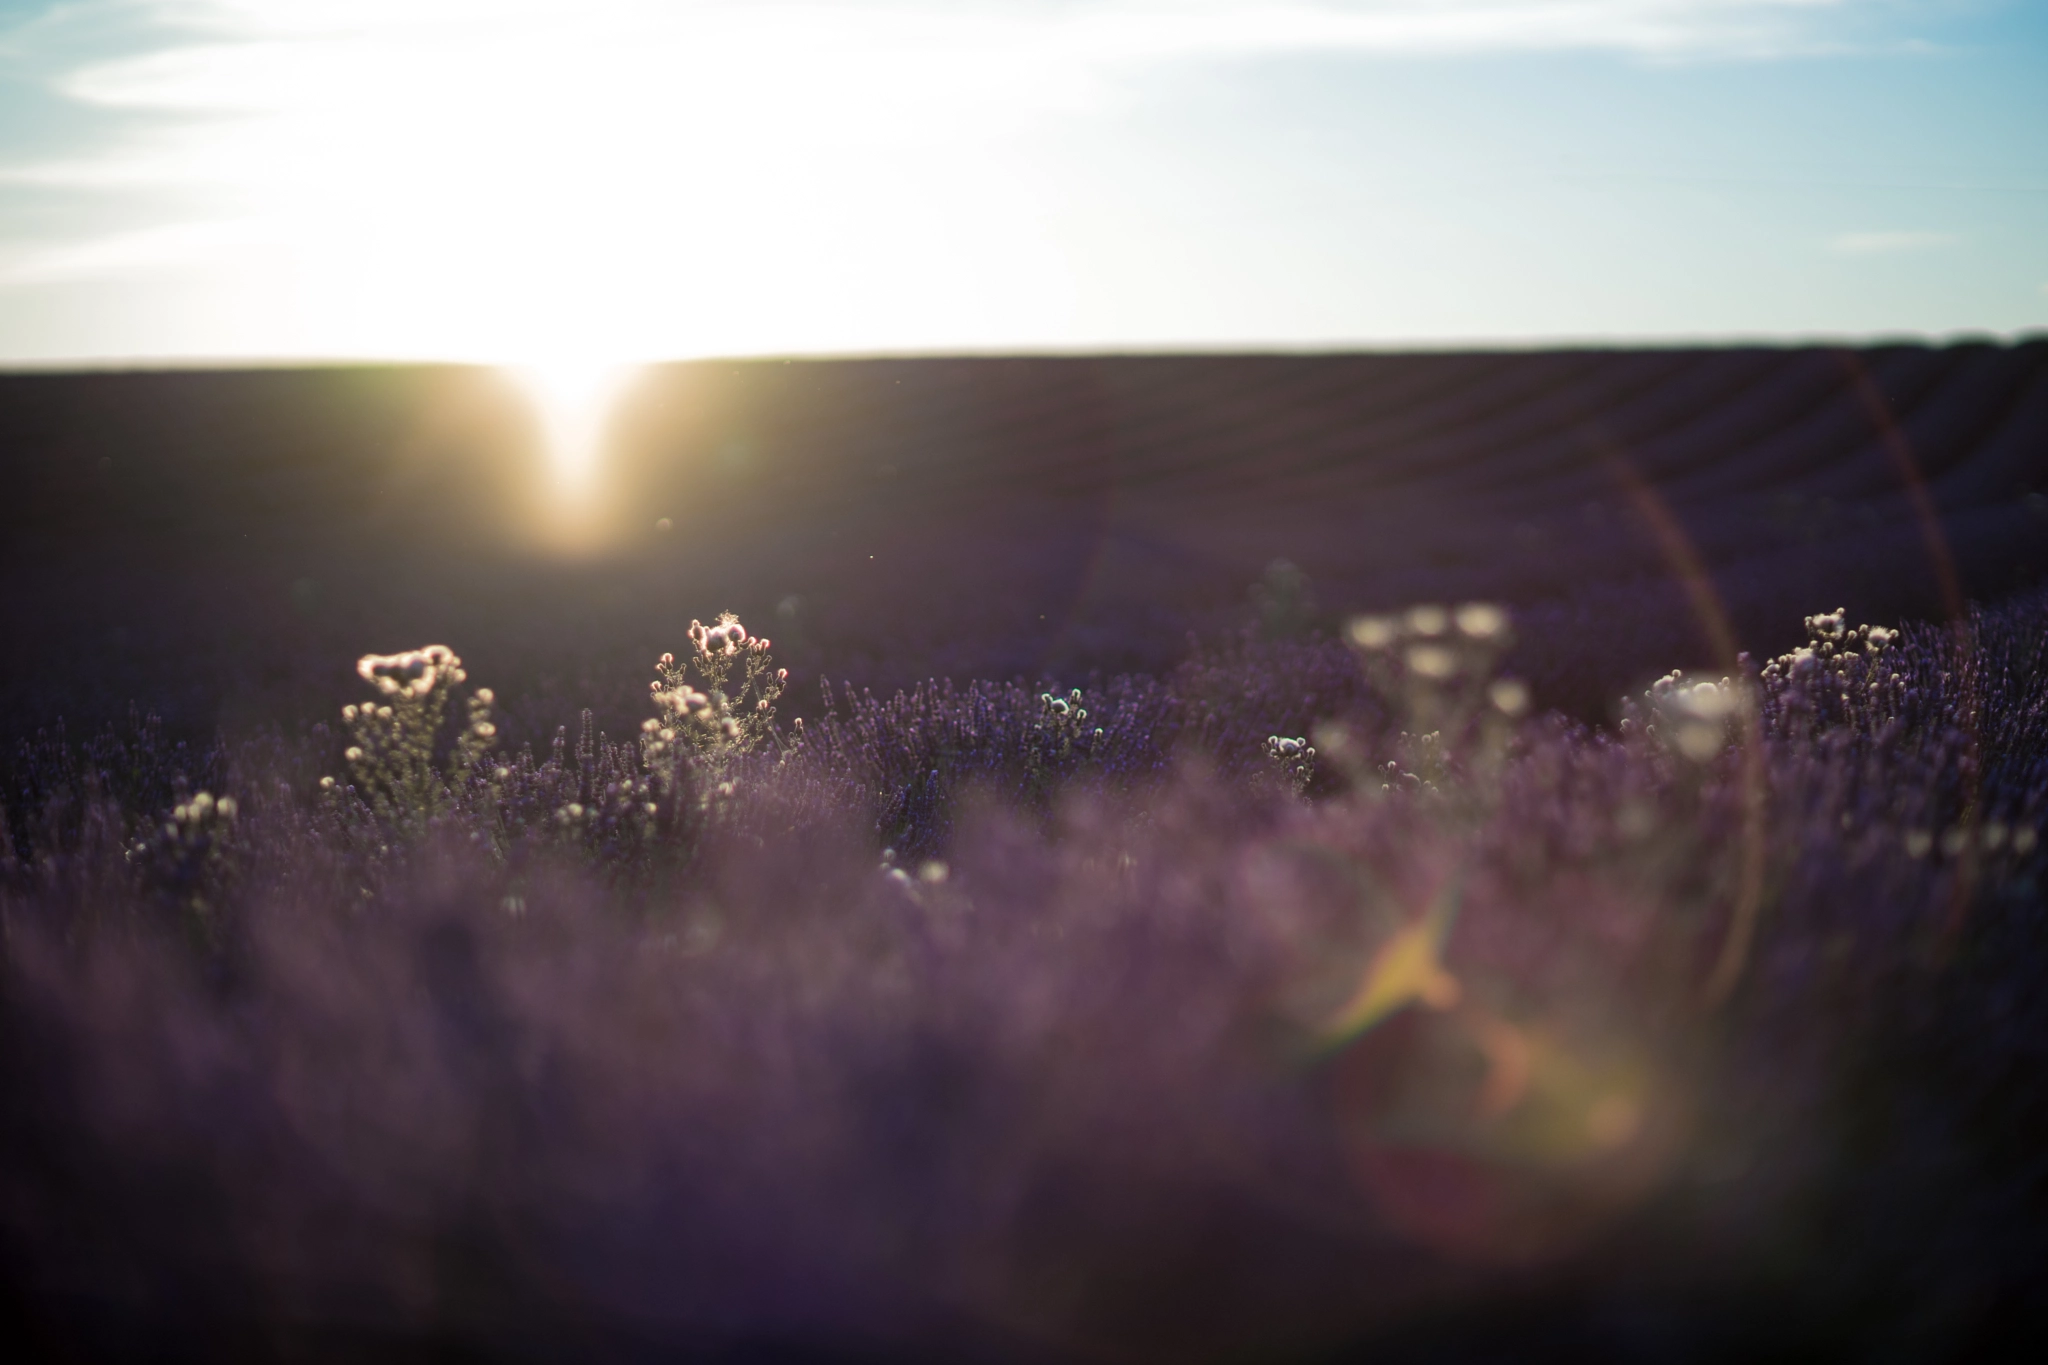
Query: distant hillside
[[221, 545]]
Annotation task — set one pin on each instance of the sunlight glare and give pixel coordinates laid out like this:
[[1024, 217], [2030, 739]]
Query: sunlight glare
[[574, 396]]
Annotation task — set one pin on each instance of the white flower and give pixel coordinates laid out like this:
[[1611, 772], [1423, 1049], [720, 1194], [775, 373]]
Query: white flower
[[418, 671], [1700, 740], [1428, 620], [1432, 661], [1509, 696], [1706, 701], [1372, 632], [1482, 621], [1829, 625], [683, 700]]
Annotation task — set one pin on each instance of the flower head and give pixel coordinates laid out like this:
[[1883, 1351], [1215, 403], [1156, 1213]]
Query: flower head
[[1482, 621], [416, 671]]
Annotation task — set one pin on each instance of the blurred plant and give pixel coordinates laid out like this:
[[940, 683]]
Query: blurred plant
[[1296, 758], [1284, 601], [1063, 725], [186, 858], [1435, 669], [391, 760], [724, 714]]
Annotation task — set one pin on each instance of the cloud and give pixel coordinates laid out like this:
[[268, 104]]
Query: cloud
[[1888, 243], [1127, 28]]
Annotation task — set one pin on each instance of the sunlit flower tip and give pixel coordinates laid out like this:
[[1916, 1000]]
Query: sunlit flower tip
[[729, 727], [226, 807], [1880, 637], [1510, 696], [2023, 840], [1432, 661], [483, 729], [933, 871], [383, 713], [667, 660], [575, 809], [486, 696], [327, 784], [782, 675], [1428, 620], [500, 773], [1919, 843], [348, 712], [1482, 621], [352, 754], [654, 686], [1994, 835], [1372, 632], [650, 725], [664, 735]]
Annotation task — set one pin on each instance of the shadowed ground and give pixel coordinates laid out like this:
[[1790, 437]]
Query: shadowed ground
[[222, 545]]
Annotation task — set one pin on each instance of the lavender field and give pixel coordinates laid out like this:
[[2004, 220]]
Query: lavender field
[[1406, 858]]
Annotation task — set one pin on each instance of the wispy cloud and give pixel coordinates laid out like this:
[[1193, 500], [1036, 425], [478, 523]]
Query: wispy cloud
[[1888, 243], [1101, 27]]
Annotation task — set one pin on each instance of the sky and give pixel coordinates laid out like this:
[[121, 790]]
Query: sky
[[529, 182]]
